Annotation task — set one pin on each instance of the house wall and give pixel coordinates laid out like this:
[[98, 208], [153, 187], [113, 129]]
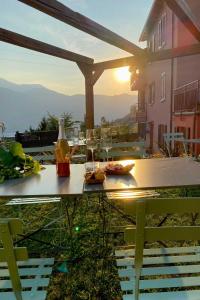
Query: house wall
[[178, 71], [192, 122], [188, 67], [159, 112]]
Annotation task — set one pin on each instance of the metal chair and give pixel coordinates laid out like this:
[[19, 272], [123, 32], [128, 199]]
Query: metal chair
[[42, 154], [28, 278], [160, 273], [170, 138]]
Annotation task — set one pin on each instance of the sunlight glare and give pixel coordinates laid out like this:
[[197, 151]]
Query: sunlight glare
[[123, 74]]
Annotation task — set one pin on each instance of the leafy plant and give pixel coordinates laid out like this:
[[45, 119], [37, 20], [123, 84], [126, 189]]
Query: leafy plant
[[14, 163]]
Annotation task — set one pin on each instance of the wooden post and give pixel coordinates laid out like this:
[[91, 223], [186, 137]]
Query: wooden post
[[89, 100], [91, 78]]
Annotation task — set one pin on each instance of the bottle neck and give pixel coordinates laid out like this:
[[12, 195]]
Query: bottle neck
[[61, 133]]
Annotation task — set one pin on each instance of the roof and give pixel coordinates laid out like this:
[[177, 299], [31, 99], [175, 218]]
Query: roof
[[152, 18]]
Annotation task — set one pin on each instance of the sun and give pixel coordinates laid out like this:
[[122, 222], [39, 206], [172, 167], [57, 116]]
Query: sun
[[123, 74]]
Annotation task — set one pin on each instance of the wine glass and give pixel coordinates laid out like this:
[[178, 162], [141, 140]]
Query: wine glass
[[92, 141], [106, 139]]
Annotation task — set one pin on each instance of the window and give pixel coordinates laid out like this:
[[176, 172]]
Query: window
[[151, 43], [152, 93], [161, 130], [162, 28], [163, 87]]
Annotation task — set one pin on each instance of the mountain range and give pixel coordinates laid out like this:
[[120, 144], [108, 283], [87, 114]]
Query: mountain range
[[24, 105]]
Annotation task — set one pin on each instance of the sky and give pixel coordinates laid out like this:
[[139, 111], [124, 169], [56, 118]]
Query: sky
[[20, 65]]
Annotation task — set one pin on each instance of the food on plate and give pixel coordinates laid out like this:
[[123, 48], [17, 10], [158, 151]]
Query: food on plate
[[96, 176], [118, 169]]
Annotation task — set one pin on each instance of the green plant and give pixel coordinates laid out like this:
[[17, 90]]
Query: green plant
[[15, 163]]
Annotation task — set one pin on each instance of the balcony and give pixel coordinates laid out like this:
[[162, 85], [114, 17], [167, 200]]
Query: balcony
[[140, 116], [187, 98]]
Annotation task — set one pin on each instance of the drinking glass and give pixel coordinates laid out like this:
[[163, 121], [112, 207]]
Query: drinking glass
[[2, 128], [92, 141], [106, 139], [75, 137], [81, 138], [69, 132]]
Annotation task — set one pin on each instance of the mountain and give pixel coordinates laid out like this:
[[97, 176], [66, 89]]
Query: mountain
[[22, 106]]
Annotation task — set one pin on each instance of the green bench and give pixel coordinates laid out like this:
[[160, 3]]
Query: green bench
[[125, 150]]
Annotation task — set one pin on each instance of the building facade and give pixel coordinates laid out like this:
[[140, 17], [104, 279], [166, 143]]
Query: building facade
[[168, 98]]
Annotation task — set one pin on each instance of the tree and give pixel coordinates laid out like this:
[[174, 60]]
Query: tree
[[43, 125], [51, 122]]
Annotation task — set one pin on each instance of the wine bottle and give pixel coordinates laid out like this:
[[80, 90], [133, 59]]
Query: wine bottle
[[62, 152]]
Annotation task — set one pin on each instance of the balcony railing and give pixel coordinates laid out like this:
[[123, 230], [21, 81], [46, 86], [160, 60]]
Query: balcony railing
[[141, 116], [187, 97]]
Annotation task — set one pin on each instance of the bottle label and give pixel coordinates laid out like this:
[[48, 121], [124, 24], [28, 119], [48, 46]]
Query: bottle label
[[63, 169]]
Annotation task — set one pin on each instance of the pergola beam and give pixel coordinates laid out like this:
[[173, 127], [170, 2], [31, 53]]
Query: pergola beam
[[183, 11], [174, 53], [35, 45], [61, 12], [118, 63]]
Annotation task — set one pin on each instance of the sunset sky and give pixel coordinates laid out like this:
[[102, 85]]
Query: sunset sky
[[24, 66]]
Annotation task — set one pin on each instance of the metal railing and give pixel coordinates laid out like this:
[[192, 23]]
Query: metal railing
[[187, 97]]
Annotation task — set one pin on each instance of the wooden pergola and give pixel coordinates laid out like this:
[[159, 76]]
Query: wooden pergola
[[92, 71]]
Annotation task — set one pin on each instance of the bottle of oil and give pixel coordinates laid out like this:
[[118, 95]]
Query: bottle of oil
[[62, 152]]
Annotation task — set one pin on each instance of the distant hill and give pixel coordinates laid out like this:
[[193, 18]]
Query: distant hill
[[24, 105]]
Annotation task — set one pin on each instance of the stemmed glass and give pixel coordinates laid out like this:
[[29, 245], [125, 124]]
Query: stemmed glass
[[106, 140], [92, 142]]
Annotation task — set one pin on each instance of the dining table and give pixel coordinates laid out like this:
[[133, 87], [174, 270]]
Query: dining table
[[155, 173], [45, 184], [150, 174], [146, 174]]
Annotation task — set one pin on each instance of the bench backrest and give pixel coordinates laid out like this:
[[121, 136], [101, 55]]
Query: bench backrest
[[45, 153], [172, 136], [142, 233], [126, 149], [9, 228]]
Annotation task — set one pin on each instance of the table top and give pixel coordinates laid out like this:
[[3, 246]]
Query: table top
[[46, 183], [152, 174], [146, 174]]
